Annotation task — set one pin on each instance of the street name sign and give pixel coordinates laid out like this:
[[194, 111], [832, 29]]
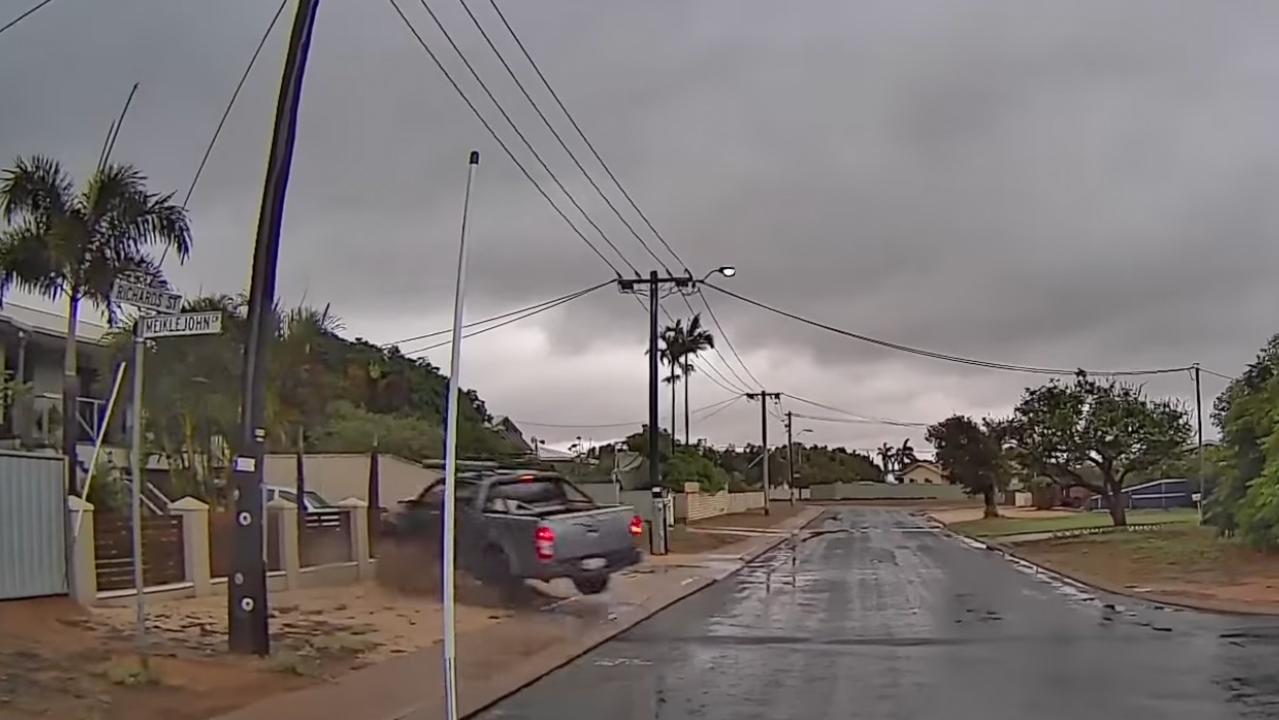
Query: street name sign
[[201, 323], [146, 297]]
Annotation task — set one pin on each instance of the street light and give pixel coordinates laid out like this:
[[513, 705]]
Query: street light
[[727, 271]]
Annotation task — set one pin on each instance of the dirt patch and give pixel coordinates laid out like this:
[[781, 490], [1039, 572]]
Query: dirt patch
[[681, 541], [59, 660], [1179, 564], [955, 515]]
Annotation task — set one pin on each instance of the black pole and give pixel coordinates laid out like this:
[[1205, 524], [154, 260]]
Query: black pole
[[1199, 421], [246, 596], [790, 456], [654, 472], [299, 468], [763, 438]]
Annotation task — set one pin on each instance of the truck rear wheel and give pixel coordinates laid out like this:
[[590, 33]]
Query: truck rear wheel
[[495, 572], [591, 584]]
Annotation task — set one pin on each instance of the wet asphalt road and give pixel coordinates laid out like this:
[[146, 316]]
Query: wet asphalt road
[[890, 619]]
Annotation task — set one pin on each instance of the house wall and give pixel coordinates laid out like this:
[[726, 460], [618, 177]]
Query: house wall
[[338, 476]]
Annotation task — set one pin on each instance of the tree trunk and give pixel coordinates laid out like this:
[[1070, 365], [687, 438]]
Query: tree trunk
[[686, 430], [673, 383], [992, 509], [1118, 513], [70, 396]]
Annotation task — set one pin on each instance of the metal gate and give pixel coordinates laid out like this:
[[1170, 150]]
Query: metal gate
[[33, 539]]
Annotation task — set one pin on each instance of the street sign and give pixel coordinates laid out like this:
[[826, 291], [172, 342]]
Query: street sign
[[146, 297], [201, 323]]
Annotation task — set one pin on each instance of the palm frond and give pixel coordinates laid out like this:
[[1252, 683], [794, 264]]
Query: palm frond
[[35, 187]]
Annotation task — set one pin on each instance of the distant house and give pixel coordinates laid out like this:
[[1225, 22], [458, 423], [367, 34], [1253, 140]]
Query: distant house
[[1164, 493], [922, 473], [506, 427]]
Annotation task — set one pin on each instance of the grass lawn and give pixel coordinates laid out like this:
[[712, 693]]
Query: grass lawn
[[1181, 563], [996, 527]]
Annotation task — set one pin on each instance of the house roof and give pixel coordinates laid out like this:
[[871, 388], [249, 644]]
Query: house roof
[[922, 464], [48, 322]]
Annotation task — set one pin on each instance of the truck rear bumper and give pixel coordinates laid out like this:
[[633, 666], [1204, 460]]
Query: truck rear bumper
[[573, 567]]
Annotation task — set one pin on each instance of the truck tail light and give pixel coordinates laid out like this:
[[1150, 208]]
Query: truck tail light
[[637, 525], [544, 542]]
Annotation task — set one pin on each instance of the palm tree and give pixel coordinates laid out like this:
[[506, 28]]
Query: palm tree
[[906, 454], [695, 340], [669, 354], [62, 242], [887, 456]]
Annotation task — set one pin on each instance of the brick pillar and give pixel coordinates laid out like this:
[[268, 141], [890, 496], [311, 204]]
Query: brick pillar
[[195, 542], [358, 518], [287, 527], [82, 573]]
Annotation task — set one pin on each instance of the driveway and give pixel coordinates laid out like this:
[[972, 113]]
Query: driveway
[[888, 618]]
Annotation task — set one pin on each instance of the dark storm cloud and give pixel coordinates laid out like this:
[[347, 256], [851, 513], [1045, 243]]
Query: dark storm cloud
[[1082, 183]]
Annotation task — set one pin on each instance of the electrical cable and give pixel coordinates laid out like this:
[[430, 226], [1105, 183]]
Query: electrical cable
[[720, 409], [581, 133], [944, 356], [531, 313], [502, 316], [1223, 376], [594, 426], [24, 15], [502, 144], [208, 150], [554, 133], [520, 134], [867, 418], [724, 335], [860, 421]]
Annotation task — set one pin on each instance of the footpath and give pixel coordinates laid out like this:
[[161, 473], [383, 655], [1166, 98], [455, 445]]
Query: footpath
[[501, 658]]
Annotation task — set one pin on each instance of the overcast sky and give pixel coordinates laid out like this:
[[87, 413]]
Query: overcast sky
[[1084, 183]]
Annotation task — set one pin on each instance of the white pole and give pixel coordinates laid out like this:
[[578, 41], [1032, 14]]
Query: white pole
[[97, 445], [450, 457], [139, 349]]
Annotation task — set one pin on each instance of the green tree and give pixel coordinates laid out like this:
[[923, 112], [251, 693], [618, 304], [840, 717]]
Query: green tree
[[972, 456], [63, 243], [1058, 430], [687, 465]]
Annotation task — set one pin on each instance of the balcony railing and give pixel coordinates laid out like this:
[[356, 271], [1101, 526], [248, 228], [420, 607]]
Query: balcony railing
[[90, 416]]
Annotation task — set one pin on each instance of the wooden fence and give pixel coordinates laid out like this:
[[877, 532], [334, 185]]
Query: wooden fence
[[162, 551], [326, 538]]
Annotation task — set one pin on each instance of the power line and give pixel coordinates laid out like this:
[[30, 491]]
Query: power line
[[944, 356], [858, 416], [519, 133], [24, 15], [545, 121], [1223, 376], [593, 426], [502, 144], [230, 104], [485, 321], [720, 409], [529, 314], [723, 380], [724, 334], [860, 421], [582, 134]]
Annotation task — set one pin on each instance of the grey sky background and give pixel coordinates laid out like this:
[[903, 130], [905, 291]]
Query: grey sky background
[[1050, 183]]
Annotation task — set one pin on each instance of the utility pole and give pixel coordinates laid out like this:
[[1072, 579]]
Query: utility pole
[[246, 593], [654, 281], [790, 457], [1199, 421], [763, 398]]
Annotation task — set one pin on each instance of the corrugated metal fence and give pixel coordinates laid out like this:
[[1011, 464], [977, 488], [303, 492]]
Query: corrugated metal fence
[[33, 559]]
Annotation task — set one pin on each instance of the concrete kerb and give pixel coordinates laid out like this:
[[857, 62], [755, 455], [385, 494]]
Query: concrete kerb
[[535, 668], [1089, 585]]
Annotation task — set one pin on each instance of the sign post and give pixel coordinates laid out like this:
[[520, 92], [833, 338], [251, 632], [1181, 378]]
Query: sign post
[[170, 324]]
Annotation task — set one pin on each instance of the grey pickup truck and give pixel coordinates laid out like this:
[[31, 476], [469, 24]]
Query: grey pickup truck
[[516, 525]]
